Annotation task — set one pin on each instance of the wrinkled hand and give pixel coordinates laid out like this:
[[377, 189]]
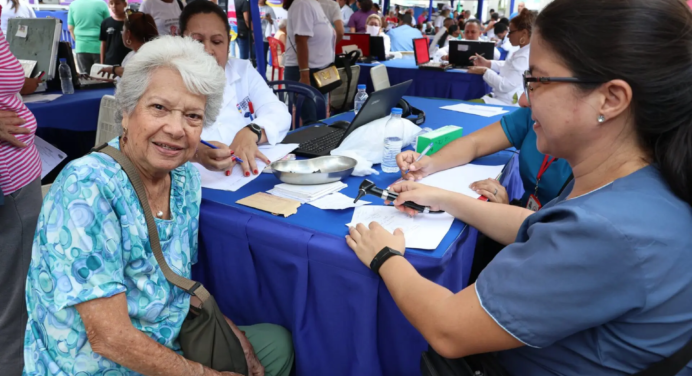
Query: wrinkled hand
[[9, 126], [477, 70], [480, 61], [107, 73], [30, 86], [367, 242], [245, 147], [445, 58], [417, 170], [420, 194], [488, 189], [220, 159]]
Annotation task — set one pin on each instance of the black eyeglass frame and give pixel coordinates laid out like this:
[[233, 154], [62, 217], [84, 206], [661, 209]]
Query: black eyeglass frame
[[544, 80]]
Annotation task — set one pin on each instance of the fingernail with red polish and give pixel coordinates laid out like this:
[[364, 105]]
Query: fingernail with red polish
[[247, 173], [255, 172], [228, 173], [232, 152]]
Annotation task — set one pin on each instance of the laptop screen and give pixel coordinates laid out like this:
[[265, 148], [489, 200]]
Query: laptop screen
[[362, 41], [420, 50]]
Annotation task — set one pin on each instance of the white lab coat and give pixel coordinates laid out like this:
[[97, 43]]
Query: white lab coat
[[244, 85], [509, 80]]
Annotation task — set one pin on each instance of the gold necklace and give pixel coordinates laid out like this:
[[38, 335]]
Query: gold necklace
[[159, 213]]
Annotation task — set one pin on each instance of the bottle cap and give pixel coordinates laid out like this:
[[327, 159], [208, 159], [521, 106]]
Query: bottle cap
[[361, 87], [396, 111]]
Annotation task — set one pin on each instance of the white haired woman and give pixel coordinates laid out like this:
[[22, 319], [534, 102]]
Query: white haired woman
[[97, 300]]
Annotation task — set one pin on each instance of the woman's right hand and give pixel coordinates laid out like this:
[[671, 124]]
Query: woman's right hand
[[420, 194], [417, 170], [9, 126], [480, 61], [220, 159]]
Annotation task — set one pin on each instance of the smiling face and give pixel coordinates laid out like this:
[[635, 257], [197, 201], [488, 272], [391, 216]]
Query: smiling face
[[209, 30], [165, 127]]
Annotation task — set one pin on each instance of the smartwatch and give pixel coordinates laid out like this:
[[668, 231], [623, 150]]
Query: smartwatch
[[385, 254], [256, 129]]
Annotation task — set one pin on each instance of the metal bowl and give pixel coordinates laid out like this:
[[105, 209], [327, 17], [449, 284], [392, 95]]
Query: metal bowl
[[320, 170]]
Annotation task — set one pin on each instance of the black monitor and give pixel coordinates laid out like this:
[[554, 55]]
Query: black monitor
[[460, 51], [64, 52], [377, 50]]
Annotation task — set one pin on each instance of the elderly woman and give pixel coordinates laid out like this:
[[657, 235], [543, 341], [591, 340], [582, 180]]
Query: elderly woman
[[97, 300], [374, 28]]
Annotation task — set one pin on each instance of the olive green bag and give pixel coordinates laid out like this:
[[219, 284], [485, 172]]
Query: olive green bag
[[205, 337]]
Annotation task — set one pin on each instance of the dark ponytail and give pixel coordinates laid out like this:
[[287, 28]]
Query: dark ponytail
[[648, 44], [15, 5], [142, 27]]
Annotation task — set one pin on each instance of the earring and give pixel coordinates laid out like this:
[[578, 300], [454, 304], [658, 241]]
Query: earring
[[601, 119], [124, 134], [128, 42], [521, 41]]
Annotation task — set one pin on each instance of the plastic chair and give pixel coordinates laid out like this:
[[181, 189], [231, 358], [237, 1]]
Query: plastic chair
[[300, 92], [337, 96], [380, 78], [107, 128], [276, 48]]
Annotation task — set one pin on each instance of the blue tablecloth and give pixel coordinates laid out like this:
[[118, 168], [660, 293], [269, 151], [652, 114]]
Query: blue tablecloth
[[453, 84], [75, 112], [298, 272]]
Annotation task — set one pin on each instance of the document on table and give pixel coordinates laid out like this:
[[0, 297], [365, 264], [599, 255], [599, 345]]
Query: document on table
[[219, 180], [422, 231], [459, 179], [480, 110], [336, 201], [50, 156], [41, 98]]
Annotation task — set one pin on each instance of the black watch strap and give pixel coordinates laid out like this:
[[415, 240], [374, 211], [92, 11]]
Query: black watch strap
[[385, 254], [256, 129]]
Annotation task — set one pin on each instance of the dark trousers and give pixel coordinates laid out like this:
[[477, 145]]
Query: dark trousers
[[85, 61], [245, 48], [266, 52]]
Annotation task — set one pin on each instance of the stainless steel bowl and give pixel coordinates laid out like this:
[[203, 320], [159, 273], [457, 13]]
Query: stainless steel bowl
[[320, 170]]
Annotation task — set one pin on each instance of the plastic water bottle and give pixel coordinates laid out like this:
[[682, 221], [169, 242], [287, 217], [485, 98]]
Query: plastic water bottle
[[361, 97], [65, 77], [393, 140]]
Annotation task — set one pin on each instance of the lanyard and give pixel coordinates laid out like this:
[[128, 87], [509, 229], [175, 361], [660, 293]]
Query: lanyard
[[547, 161]]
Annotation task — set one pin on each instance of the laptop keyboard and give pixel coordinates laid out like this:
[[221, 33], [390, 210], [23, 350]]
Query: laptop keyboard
[[328, 142]]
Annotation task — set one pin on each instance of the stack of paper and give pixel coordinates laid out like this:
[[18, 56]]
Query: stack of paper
[[422, 231], [480, 110], [306, 193], [459, 179], [336, 201]]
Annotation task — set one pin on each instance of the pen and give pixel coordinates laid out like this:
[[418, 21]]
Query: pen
[[422, 154], [252, 111], [214, 147]]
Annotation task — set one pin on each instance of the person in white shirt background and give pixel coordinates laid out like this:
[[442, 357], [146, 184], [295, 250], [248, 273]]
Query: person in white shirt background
[[268, 23], [14, 9], [238, 130], [439, 21], [374, 28], [346, 11], [472, 31], [333, 13], [166, 14], [508, 84], [440, 39], [490, 28]]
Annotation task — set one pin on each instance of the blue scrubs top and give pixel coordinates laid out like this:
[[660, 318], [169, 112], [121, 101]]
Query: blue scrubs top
[[518, 128], [599, 284]]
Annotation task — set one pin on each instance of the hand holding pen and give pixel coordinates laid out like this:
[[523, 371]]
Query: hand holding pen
[[480, 61], [217, 157]]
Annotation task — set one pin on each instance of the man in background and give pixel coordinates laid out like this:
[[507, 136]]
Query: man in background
[[402, 37], [520, 7], [423, 18], [244, 39], [346, 11], [113, 50], [84, 18]]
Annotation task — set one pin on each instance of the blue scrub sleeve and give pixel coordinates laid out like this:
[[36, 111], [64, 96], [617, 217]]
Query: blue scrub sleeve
[[571, 271], [516, 126]]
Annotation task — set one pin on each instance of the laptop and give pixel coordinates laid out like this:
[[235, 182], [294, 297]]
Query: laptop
[[79, 83], [360, 40], [321, 140], [377, 51], [422, 56], [460, 51]]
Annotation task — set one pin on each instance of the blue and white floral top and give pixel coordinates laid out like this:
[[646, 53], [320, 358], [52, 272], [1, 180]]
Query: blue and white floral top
[[92, 242]]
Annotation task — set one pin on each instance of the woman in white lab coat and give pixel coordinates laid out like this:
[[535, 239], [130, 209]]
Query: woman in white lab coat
[[506, 77], [251, 114]]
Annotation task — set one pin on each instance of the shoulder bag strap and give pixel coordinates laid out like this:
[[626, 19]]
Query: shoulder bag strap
[[187, 285], [672, 365]]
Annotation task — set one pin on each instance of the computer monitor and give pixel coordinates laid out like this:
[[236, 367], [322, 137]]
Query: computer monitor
[[361, 40], [377, 48], [460, 51], [420, 51], [64, 52]]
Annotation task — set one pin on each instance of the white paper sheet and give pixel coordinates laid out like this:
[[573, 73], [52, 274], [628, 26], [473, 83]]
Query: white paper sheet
[[219, 180], [479, 110], [459, 179], [50, 156], [423, 231], [40, 98], [306, 193], [336, 201]]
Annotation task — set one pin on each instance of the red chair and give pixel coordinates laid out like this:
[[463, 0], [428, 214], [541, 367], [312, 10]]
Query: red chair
[[277, 49]]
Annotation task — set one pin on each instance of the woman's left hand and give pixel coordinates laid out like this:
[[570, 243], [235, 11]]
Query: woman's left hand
[[367, 242], [480, 61], [477, 70], [492, 189], [245, 147]]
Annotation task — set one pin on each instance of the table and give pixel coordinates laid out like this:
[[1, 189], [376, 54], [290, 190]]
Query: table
[[298, 272], [453, 84], [69, 123]]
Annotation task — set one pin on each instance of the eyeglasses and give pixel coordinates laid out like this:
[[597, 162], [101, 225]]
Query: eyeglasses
[[528, 79], [129, 12]]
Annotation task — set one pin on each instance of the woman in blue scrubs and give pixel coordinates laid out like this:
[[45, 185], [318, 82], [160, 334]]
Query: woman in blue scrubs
[[598, 281]]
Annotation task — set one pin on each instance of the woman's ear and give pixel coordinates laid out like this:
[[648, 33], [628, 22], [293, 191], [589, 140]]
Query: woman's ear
[[617, 96]]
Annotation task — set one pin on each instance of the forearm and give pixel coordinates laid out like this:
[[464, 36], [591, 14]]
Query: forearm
[[103, 52], [339, 27], [71, 29], [463, 150], [247, 347], [498, 221]]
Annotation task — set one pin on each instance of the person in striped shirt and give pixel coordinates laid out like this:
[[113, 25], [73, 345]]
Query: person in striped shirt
[[20, 186]]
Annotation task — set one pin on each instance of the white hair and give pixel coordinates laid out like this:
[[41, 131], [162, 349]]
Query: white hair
[[283, 23], [200, 72]]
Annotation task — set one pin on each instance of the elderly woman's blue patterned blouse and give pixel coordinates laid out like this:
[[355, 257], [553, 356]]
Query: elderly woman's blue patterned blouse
[[92, 242]]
